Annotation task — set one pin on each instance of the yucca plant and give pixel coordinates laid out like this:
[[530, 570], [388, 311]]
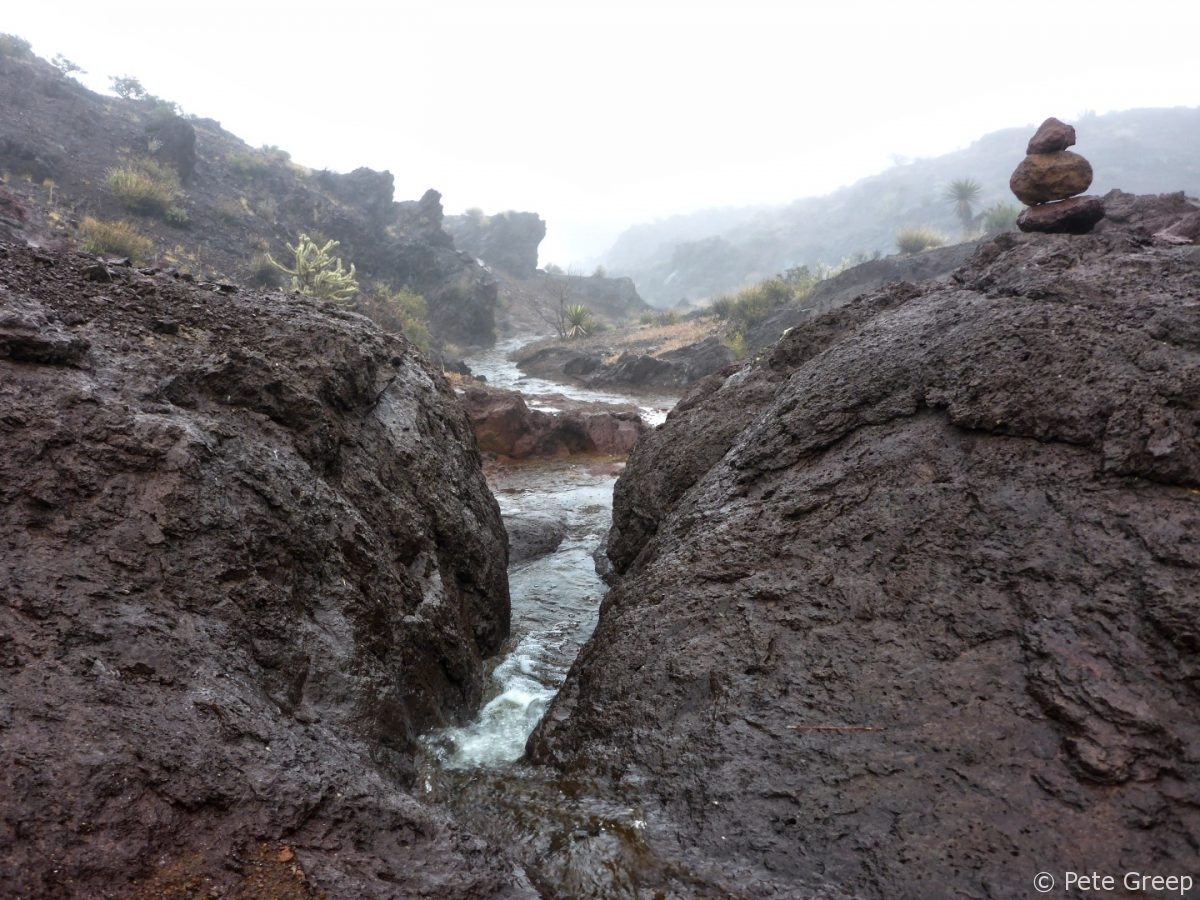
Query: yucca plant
[[579, 321], [964, 193]]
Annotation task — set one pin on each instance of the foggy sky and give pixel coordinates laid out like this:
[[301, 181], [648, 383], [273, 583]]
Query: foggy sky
[[599, 115]]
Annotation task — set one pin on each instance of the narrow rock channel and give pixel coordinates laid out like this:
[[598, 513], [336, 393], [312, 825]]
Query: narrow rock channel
[[573, 839]]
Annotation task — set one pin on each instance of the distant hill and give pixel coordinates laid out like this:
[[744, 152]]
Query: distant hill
[[130, 176], [706, 253]]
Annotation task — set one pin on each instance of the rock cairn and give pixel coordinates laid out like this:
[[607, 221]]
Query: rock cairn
[[1048, 180]]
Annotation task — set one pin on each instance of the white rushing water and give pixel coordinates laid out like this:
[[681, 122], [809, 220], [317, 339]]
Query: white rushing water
[[555, 599], [502, 372]]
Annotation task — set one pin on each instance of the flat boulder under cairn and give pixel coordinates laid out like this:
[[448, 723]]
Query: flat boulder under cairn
[[247, 555], [911, 607]]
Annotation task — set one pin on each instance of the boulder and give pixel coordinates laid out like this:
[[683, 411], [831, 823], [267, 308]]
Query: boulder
[[248, 558], [919, 584], [1077, 215], [1051, 136], [1042, 177], [532, 536], [639, 371], [699, 359], [506, 426]]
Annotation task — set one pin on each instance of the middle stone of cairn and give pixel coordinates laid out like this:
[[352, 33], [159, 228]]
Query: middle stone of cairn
[[1048, 179]]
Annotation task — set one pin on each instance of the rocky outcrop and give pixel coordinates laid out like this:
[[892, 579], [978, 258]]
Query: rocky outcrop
[[631, 370], [867, 277], [460, 294], [506, 426], [507, 241], [247, 556], [908, 608], [239, 203]]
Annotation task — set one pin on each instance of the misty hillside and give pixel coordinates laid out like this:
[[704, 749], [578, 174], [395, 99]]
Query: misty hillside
[[703, 254], [131, 176]]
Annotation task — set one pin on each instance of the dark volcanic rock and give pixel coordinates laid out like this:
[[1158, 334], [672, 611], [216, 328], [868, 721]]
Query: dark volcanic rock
[[1042, 177], [461, 295], [1051, 136], [699, 359], [508, 240], [911, 605], [505, 425], [172, 139], [1078, 215], [531, 536], [839, 290], [639, 371], [248, 555], [1145, 215]]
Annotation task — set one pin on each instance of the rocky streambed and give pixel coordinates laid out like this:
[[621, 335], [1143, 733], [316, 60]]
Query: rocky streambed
[[905, 608]]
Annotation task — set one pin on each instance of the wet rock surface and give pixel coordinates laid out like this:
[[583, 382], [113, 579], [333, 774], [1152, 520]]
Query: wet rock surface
[[1052, 135], [909, 607], [505, 425], [531, 536], [1074, 216], [248, 554], [1043, 177]]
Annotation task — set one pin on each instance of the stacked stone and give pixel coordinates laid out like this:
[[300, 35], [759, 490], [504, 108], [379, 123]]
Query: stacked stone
[[1048, 180]]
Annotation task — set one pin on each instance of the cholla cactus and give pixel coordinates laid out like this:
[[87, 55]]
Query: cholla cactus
[[316, 273]]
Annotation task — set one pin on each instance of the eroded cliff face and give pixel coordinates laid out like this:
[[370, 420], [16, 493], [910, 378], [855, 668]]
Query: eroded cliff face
[[909, 607], [247, 556]]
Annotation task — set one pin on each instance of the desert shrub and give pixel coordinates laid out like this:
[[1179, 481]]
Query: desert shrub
[[246, 165], [144, 186], [316, 272], [999, 218], [647, 318], [229, 210], [914, 239], [403, 310], [736, 342], [600, 272], [262, 272], [275, 154], [15, 47], [752, 304], [65, 65], [117, 238], [126, 87], [668, 317]]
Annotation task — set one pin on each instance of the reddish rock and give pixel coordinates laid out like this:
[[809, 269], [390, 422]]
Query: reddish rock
[[1042, 177], [1051, 136], [505, 425], [1077, 215]]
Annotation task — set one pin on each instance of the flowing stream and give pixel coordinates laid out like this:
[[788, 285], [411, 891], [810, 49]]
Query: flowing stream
[[574, 839]]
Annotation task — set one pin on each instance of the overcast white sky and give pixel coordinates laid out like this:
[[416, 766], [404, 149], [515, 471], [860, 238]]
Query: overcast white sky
[[599, 114]]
